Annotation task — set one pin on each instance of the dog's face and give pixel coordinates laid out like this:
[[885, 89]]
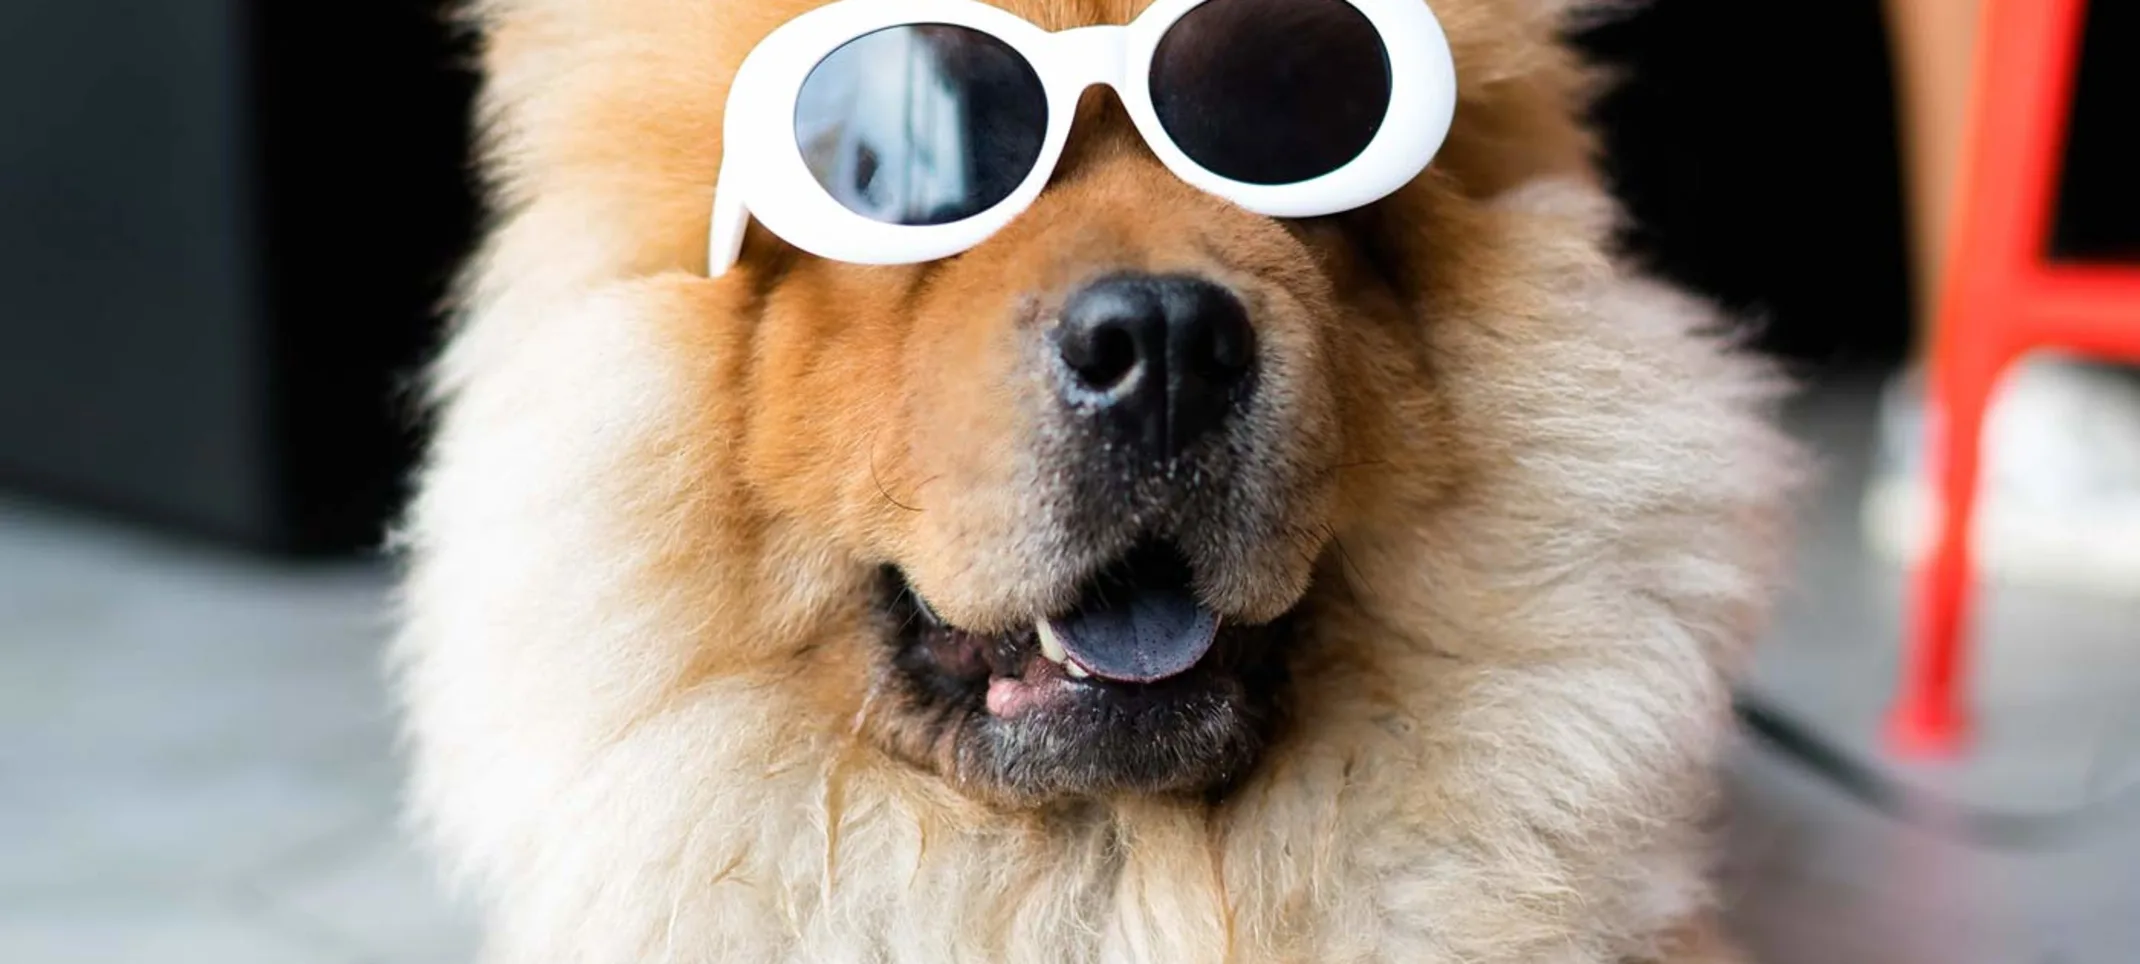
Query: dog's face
[[1091, 479], [1098, 461]]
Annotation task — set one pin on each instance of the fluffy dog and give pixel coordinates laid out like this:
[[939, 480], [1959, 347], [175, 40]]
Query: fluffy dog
[[720, 637]]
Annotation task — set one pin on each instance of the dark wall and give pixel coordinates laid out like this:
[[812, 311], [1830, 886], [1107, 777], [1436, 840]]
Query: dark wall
[[1756, 146], [365, 199], [2099, 204]]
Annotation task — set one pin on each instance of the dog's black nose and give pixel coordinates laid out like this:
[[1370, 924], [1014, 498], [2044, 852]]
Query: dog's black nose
[[1158, 360]]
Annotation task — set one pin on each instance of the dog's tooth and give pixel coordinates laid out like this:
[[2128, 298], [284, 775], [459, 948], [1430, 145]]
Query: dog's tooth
[[1075, 671], [1051, 645]]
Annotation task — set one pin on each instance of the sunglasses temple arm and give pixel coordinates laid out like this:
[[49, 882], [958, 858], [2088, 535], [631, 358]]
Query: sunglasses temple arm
[[724, 241]]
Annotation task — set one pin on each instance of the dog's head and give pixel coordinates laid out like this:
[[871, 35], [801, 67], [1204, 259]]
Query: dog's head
[[1091, 480]]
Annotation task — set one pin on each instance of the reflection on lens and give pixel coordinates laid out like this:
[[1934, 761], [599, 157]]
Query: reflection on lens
[[921, 124], [1271, 91]]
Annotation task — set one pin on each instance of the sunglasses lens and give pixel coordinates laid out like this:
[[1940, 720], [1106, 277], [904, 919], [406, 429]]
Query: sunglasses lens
[[1271, 91], [921, 124]]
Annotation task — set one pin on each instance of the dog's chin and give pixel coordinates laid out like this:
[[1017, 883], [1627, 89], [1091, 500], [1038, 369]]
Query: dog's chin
[[1136, 689]]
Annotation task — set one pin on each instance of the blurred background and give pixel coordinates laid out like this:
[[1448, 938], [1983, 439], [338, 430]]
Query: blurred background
[[225, 228]]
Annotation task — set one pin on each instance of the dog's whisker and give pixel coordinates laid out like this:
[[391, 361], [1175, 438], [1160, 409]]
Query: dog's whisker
[[878, 480], [1355, 579]]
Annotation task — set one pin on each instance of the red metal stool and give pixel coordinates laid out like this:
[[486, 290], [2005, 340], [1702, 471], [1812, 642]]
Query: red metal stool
[[2001, 297]]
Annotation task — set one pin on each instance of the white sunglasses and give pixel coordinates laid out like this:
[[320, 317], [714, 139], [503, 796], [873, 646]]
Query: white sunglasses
[[901, 131]]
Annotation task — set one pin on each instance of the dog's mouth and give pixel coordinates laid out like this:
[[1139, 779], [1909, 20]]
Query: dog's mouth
[[1136, 686]]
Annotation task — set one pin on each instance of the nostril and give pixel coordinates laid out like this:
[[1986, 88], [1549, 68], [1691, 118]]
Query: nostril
[[1111, 331], [1104, 359]]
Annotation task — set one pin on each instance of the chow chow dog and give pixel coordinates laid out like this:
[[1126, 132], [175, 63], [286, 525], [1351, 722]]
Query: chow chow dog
[[807, 612]]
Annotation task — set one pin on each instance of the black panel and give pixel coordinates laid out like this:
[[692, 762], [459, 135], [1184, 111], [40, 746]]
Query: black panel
[[130, 367], [222, 231]]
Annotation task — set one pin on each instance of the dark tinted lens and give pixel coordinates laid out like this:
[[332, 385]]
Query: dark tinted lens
[[923, 124], [1271, 91]]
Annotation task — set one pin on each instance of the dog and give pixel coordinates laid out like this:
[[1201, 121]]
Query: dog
[[726, 628]]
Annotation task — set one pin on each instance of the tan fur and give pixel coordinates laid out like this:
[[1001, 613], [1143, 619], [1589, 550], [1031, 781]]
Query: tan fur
[[1536, 504]]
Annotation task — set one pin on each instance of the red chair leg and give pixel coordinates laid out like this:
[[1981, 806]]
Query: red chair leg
[[1931, 719]]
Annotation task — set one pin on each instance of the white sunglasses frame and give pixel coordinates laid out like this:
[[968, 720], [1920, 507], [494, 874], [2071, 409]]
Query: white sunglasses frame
[[763, 174]]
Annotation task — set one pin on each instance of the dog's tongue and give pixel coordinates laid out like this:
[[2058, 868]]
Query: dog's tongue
[[1140, 637]]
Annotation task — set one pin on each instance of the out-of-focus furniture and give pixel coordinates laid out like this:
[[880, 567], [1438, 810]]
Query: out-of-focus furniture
[[223, 227], [2003, 294], [1932, 41]]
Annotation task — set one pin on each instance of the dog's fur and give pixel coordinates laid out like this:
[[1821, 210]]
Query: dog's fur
[[1535, 509]]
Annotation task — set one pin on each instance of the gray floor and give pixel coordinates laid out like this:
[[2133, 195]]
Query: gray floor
[[195, 764], [1816, 878], [195, 760]]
